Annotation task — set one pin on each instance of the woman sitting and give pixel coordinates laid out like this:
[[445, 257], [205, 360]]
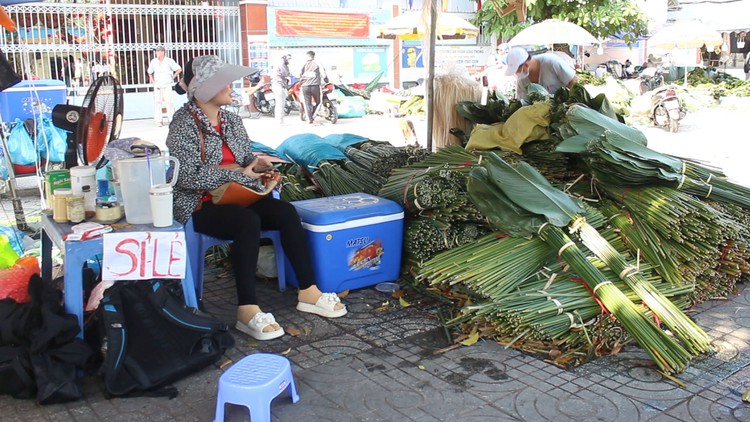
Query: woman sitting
[[202, 128]]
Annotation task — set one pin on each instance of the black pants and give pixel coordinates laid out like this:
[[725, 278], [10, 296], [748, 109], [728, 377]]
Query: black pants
[[310, 92], [243, 227]]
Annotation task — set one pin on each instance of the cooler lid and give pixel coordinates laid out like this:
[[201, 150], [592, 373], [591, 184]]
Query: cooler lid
[[342, 208], [37, 85]]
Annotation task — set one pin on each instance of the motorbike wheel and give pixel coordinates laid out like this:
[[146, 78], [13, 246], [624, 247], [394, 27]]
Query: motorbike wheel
[[674, 125], [331, 112], [263, 107]]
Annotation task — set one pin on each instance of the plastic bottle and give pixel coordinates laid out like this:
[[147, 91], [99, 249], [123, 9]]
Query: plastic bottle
[[89, 201]]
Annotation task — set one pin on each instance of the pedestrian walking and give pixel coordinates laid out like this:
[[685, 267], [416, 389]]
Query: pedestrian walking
[[280, 86], [162, 72], [311, 77]]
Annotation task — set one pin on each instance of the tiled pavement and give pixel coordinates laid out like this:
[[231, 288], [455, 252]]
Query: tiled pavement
[[380, 365]]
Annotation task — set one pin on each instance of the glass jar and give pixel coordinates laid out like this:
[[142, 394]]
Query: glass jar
[[60, 204], [76, 211]]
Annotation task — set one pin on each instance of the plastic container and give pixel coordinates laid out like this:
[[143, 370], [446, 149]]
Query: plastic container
[[81, 176], [135, 182], [32, 98], [355, 240], [60, 205]]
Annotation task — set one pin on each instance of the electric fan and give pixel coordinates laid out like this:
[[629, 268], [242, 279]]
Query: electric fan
[[93, 124]]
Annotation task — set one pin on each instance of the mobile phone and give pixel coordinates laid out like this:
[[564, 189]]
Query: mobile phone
[[265, 169]]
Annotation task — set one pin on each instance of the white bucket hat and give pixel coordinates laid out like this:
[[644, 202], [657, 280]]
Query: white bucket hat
[[211, 75], [515, 58]]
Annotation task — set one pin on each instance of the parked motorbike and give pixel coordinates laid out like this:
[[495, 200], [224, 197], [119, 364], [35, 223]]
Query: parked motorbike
[[666, 108], [651, 78], [264, 101], [327, 110]]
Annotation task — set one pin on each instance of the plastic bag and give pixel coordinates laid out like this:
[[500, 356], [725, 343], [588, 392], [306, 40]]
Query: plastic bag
[[14, 281], [15, 237], [8, 256], [51, 141], [3, 167], [20, 145]]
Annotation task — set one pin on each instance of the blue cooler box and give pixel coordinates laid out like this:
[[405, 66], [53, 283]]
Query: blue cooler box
[[32, 98], [355, 240]]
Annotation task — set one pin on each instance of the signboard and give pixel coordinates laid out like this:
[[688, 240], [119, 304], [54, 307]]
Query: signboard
[[144, 255], [369, 62], [257, 50], [328, 30], [299, 23], [411, 56]]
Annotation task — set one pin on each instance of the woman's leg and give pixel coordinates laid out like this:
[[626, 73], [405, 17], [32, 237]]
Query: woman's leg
[[242, 226], [282, 216]]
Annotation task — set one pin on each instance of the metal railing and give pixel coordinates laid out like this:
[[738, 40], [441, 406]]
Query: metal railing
[[75, 42]]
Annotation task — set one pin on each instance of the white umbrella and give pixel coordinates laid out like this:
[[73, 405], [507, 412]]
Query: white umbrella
[[553, 31], [411, 26], [685, 34]]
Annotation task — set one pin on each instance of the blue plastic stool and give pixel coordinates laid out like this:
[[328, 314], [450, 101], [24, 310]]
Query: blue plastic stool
[[253, 382], [198, 244]]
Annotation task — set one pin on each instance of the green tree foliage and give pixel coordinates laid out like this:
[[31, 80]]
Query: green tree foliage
[[602, 18]]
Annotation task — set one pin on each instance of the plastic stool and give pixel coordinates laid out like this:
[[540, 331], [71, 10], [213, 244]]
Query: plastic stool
[[253, 382], [198, 244]]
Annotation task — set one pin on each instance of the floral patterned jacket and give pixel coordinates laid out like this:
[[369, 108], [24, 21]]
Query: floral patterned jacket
[[195, 177]]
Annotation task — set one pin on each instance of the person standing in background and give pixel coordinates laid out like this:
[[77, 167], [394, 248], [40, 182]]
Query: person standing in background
[[162, 72], [311, 77], [280, 86], [547, 70]]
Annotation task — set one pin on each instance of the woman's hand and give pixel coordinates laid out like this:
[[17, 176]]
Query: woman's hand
[[258, 163]]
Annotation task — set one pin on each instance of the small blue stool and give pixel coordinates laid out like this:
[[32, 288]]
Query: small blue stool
[[253, 382], [198, 244]]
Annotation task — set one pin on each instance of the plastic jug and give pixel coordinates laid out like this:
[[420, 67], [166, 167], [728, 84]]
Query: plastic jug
[[135, 182]]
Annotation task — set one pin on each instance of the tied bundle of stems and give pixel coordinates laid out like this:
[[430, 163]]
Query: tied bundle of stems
[[297, 189], [491, 266], [334, 179], [668, 355], [422, 189], [691, 336], [526, 189], [681, 231]]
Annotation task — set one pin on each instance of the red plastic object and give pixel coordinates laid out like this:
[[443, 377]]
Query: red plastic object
[[19, 169], [14, 281]]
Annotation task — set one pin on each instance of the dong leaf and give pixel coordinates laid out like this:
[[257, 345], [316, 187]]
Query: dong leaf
[[528, 189], [591, 123], [502, 214]]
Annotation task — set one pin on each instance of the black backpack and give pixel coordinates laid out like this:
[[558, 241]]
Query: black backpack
[[152, 339]]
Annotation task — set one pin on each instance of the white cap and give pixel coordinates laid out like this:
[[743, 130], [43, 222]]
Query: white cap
[[515, 58]]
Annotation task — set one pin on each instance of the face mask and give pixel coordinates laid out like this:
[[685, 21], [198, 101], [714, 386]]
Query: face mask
[[522, 75]]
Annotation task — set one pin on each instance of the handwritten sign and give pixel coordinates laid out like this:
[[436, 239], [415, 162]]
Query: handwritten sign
[[144, 255]]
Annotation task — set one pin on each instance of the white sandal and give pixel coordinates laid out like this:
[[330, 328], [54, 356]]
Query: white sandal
[[255, 327], [325, 306]]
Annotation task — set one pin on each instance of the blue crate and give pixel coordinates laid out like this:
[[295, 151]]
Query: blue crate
[[355, 240], [28, 99]]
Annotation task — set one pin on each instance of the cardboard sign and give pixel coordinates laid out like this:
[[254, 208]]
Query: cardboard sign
[[144, 255]]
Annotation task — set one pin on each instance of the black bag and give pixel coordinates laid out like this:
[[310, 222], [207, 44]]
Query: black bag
[[746, 67], [16, 372], [152, 338], [39, 351]]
